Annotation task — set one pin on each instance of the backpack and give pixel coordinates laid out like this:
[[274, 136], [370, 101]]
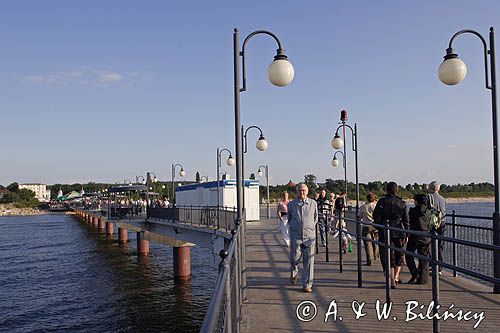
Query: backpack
[[436, 215]]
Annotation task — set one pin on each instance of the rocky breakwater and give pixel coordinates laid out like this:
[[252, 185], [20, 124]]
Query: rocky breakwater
[[10, 210]]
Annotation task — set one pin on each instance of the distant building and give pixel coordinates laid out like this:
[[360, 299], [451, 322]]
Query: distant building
[[41, 192]]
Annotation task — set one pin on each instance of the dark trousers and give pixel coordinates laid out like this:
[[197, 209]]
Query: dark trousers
[[396, 257], [421, 245], [440, 232], [323, 228]]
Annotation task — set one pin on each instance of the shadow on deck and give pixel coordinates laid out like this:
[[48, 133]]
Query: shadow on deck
[[272, 300]]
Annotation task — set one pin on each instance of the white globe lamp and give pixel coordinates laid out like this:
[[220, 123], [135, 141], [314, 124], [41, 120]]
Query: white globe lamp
[[452, 70], [262, 143], [337, 142], [280, 71]]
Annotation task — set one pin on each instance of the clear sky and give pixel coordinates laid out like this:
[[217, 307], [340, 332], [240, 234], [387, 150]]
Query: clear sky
[[107, 90]]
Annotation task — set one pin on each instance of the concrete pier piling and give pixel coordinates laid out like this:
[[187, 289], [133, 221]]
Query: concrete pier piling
[[101, 224], [182, 263], [122, 235], [109, 228], [142, 245]]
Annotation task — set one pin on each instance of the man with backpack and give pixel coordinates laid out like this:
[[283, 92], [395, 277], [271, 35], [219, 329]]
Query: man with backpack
[[437, 205]]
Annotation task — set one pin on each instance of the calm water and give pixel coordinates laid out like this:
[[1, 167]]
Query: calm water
[[57, 274]]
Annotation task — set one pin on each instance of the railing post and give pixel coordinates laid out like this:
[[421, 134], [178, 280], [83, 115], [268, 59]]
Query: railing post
[[435, 280], [339, 229], [387, 262], [454, 235]]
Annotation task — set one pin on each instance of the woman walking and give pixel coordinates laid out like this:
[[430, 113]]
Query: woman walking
[[282, 215]]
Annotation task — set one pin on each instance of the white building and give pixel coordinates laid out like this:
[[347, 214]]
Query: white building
[[41, 192], [205, 194]]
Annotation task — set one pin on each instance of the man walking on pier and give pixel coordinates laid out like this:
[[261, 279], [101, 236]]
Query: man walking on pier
[[302, 219], [437, 202]]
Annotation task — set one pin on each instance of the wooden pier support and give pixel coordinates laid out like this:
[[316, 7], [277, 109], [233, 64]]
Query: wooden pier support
[[142, 245], [182, 263], [95, 220], [122, 235]]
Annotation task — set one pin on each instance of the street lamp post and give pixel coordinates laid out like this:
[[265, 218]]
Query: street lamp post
[[452, 71], [182, 173], [259, 172], [280, 73], [261, 145], [229, 162], [149, 180], [338, 143]]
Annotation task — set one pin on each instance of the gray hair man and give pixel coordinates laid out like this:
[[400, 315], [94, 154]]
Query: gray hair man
[[438, 203], [302, 220]]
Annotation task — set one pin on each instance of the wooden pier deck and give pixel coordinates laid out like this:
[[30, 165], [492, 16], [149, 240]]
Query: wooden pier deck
[[272, 300]]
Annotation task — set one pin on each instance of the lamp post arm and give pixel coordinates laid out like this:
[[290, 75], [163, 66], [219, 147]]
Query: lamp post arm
[[242, 53], [219, 155], [245, 137], [343, 157], [353, 135], [485, 51]]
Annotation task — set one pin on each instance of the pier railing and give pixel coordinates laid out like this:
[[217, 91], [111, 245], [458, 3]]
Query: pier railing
[[464, 239], [203, 216], [224, 311]]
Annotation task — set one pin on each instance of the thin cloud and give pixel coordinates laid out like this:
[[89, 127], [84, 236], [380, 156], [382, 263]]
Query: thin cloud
[[83, 76], [110, 77]]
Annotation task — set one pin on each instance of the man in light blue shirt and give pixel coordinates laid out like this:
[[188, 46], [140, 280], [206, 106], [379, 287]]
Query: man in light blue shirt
[[302, 220]]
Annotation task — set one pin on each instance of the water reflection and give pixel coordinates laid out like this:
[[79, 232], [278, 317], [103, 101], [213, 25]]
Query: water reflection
[[61, 274]]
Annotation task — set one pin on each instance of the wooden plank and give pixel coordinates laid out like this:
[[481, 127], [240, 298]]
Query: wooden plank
[[272, 300]]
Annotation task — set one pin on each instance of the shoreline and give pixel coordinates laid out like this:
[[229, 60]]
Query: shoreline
[[8, 210]]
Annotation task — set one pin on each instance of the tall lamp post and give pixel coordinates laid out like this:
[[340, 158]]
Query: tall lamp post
[[259, 172], [280, 73], [261, 145], [182, 173], [452, 71], [338, 143], [149, 179], [229, 162]]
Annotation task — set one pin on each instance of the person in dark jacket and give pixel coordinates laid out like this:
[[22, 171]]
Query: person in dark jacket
[[391, 209], [419, 221]]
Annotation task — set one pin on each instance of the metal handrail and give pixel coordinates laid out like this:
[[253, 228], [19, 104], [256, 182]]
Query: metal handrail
[[213, 310], [432, 258]]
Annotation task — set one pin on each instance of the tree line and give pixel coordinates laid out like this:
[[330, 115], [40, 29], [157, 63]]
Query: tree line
[[379, 187]]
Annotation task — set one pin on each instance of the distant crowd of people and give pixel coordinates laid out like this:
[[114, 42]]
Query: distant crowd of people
[[302, 218]]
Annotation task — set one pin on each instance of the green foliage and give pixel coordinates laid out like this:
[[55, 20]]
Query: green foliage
[[252, 176], [14, 187], [21, 198], [379, 188], [198, 178], [310, 181]]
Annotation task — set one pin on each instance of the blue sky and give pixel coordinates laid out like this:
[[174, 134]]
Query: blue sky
[[107, 90]]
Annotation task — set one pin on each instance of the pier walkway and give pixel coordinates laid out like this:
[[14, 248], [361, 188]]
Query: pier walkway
[[272, 300]]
